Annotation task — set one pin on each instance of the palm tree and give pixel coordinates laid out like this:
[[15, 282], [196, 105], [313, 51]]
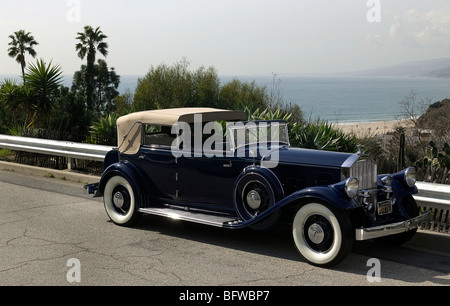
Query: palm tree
[[91, 41], [21, 43]]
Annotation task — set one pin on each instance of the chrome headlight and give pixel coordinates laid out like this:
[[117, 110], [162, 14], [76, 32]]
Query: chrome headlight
[[410, 177], [352, 187]]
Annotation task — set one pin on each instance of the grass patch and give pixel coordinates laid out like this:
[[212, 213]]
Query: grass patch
[[6, 152]]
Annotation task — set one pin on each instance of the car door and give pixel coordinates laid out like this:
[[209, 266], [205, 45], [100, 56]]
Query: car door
[[206, 180], [158, 163], [159, 168]]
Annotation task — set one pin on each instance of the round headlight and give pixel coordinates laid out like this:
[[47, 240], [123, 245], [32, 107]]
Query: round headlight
[[352, 187], [410, 177]]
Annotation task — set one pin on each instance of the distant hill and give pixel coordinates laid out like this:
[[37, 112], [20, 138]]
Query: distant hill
[[437, 119], [440, 73], [436, 68]]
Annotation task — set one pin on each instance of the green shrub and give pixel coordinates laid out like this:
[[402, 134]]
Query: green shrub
[[104, 131], [322, 135]]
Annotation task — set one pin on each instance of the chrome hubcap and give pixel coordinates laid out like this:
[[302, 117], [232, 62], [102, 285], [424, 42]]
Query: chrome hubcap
[[253, 199], [316, 233], [118, 200]]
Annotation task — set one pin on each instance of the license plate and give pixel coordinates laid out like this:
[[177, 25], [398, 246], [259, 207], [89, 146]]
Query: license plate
[[384, 208]]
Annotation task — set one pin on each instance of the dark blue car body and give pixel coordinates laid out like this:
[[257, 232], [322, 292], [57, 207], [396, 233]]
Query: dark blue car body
[[315, 191]]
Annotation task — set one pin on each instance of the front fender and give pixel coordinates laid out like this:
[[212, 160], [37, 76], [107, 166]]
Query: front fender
[[329, 194], [267, 174], [332, 195], [399, 186]]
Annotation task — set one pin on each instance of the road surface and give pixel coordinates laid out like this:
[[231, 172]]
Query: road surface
[[54, 234]]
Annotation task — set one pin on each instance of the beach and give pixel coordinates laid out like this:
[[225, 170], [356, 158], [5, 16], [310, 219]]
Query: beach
[[372, 128]]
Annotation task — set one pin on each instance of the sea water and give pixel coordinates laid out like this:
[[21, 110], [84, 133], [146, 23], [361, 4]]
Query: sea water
[[337, 98], [343, 99], [347, 99]]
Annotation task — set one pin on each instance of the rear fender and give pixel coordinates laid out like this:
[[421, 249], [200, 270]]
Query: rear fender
[[129, 172], [111, 157]]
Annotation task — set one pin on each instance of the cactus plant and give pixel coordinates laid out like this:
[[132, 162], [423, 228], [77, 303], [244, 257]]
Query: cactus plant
[[401, 153]]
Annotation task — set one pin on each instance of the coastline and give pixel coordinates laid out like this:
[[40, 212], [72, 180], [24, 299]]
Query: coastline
[[372, 128]]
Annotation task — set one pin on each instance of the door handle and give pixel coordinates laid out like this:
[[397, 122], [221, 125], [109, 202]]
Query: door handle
[[229, 165]]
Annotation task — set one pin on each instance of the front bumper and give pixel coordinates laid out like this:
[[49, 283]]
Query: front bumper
[[391, 229]]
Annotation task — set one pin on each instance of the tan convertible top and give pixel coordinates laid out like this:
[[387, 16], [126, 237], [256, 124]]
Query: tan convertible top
[[129, 127]]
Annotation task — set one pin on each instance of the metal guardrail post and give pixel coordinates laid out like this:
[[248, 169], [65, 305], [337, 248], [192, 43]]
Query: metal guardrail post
[[70, 163]]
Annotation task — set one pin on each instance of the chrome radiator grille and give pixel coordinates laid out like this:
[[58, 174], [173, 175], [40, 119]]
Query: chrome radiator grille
[[366, 172]]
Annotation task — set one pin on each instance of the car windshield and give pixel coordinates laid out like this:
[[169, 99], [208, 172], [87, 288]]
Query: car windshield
[[255, 132]]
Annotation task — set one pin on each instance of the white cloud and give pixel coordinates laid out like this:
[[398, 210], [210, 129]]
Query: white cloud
[[376, 40], [429, 29]]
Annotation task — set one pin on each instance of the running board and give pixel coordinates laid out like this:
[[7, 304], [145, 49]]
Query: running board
[[202, 217]]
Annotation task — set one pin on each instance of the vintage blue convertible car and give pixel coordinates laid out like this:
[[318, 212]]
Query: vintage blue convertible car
[[210, 166]]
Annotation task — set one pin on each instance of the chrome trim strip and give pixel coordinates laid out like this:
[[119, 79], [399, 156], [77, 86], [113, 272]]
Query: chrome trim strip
[[390, 229], [350, 161]]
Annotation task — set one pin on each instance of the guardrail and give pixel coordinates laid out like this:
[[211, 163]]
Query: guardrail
[[437, 198], [433, 195], [71, 150], [430, 195]]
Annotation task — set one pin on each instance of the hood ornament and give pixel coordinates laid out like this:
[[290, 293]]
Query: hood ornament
[[360, 151]]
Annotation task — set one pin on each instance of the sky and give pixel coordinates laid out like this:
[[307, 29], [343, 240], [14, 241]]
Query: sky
[[237, 37]]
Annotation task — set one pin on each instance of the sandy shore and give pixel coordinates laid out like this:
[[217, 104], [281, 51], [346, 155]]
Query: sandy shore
[[372, 128]]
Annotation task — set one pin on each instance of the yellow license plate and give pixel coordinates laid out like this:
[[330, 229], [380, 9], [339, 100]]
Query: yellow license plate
[[384, 208]]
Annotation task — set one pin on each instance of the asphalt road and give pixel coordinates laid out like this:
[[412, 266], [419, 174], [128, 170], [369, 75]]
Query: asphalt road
[[52, 234]]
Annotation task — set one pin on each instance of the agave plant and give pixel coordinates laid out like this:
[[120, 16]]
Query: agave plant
[[44, 80], [322, 136], [267, 114], [104, 130]]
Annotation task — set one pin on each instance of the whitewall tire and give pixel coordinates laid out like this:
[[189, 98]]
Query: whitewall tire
[[322, 234], [120, 202]]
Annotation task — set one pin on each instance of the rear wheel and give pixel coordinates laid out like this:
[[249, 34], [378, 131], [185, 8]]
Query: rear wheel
[[322, 234], [120, 201]]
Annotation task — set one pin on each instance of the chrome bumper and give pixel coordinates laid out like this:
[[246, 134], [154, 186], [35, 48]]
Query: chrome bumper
[[391, 229]]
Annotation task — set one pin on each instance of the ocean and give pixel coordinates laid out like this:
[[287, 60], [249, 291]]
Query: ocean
[[350, 99], [338, 99]]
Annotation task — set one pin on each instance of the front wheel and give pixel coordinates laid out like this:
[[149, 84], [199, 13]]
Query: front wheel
[[120, 201], [322, 234]]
